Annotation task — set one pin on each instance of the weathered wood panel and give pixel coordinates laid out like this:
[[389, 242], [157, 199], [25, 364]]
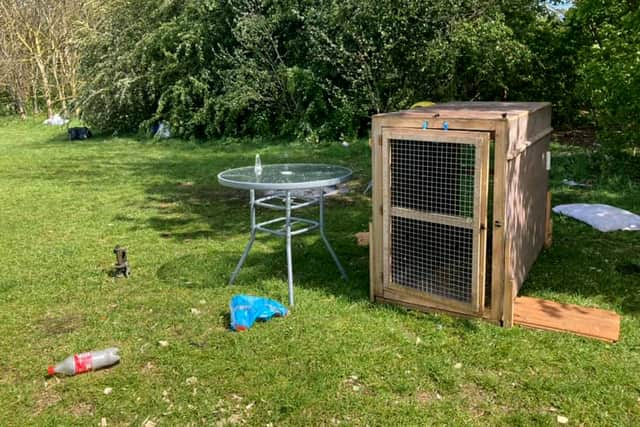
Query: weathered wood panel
[[553, 316]]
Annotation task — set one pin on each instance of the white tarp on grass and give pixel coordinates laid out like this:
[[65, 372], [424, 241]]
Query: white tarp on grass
[[601, 217], [56, 120]]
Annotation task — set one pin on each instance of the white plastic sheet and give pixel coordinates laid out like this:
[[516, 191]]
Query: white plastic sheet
[[56, 120], [601, 217], [164, 131]]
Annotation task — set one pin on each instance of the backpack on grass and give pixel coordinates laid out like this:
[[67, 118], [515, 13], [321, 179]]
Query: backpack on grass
[[79, 133]]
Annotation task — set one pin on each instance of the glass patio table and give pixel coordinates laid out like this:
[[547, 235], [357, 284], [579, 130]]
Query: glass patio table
[[284, 183]]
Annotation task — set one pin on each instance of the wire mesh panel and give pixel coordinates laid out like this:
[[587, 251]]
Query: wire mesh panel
[[432, 258], [432, 185], [433, 177]]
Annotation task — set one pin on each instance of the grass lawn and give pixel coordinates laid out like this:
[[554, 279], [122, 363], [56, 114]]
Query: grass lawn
[[337, 359]]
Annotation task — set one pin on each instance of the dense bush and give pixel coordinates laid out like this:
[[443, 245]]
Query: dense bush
[[127, 64], [307, 68], [6, 104], [314, 68], [608, 34]]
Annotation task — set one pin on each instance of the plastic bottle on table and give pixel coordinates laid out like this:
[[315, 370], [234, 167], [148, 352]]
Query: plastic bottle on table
[[85, 362], [258, 165]]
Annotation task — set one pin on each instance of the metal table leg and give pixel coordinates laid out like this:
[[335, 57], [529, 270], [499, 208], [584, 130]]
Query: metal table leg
[[324, 238], [288, 241], [251, 239]]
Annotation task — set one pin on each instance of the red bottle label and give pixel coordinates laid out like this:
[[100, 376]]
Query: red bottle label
[[84, 362]]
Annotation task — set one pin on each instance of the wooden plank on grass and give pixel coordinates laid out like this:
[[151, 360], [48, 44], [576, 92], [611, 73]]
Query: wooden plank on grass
[[363, 237], [549, 315]]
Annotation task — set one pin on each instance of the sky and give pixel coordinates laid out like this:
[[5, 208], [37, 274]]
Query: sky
[[564, 4], [560, 7]]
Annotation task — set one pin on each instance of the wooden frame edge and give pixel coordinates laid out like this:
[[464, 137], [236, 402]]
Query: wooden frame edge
[[499, 226], [432, 310]]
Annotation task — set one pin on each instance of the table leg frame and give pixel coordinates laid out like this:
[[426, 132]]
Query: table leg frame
[[251, 239], [288, 242], [288, 234], [326, 241]]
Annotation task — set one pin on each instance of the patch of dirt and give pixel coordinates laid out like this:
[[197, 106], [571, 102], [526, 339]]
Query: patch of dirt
[[58, 325], [11, 375], [585, 137], [45, 400], [82, 409], [354, 384], [148, 367], [425, 398], [477, 399], [234, 410]]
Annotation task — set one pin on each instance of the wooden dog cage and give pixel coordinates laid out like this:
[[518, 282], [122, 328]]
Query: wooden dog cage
[[460, 205]]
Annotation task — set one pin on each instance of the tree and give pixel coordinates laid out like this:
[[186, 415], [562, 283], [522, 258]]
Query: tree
[[307, 68], [38, 47], [609, 67]]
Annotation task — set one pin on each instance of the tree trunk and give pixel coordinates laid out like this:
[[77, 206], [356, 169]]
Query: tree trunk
[[18, 101], [46, 90], [36, 103], [59, 85], [20, 107]]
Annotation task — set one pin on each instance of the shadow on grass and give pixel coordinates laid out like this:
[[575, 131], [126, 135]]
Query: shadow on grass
[[586, 263], [190, 204], [183, 201], [313, 267], [582, 261], [180, 206]]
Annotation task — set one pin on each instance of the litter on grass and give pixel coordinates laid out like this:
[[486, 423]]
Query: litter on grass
[[601, 217], [56, 120], [122, 263], [246, 309], [79, 133], [572, 183], [161, 130], [85, 362]]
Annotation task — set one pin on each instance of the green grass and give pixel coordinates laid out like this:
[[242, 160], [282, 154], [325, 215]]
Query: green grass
[[336, 359]]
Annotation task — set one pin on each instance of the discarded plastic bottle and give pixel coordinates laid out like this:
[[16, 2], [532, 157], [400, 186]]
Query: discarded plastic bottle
[[85, 362], [258, 165]]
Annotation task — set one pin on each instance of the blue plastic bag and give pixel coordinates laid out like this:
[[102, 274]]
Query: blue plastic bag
[[246, 309]]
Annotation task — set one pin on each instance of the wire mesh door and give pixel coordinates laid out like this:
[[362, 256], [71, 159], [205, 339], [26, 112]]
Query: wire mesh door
[[434, 222]]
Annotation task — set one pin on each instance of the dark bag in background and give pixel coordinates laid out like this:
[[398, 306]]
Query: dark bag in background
[[79, 133]]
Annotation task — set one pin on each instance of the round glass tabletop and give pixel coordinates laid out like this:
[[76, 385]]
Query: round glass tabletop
[[289, 176]]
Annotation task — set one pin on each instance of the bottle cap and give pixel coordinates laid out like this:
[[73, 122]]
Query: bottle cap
[[51, 370]]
